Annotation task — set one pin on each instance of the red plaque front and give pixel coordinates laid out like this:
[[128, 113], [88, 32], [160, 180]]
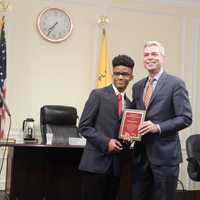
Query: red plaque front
[[131, 120]]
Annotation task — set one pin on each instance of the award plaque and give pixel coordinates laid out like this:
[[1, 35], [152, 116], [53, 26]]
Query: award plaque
[[131, 120]]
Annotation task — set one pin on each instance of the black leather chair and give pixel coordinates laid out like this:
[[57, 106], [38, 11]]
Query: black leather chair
[[193, 153], [59, 120]]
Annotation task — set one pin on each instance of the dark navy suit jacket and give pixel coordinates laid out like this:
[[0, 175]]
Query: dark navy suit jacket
[[170, 108], [98, 124]]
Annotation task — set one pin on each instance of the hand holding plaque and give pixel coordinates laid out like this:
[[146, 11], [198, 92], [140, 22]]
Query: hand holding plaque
[[131, 121]]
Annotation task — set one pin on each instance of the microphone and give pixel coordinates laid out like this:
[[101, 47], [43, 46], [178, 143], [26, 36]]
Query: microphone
[[2, 100]]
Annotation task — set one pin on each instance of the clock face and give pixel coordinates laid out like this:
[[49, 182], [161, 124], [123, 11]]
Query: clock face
[[54, 24]]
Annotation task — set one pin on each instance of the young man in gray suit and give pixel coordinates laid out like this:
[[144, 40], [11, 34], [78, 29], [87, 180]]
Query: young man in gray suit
[[99, 124], [156, 158]]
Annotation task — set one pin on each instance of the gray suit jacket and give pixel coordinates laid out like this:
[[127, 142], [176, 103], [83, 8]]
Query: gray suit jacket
[[170, 108], [98, 124]]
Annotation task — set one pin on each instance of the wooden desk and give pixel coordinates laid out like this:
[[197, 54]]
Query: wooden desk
[[41, 172]]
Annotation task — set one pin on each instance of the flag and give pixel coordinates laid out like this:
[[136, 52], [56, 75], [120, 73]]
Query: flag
[[2, 75], [104, 75]]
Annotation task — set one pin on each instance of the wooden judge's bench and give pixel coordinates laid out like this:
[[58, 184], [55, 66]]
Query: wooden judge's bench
[[50, 172]]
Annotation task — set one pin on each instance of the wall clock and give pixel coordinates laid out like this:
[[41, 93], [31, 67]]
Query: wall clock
[[54, 24]]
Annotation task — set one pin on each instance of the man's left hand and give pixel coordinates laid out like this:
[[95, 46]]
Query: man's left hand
[[148, 127]]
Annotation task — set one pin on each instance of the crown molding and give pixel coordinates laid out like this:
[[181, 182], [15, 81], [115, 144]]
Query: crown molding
[[179, 3]]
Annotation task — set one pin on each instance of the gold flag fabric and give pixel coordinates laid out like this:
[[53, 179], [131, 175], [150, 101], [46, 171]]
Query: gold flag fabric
[[104, 74]]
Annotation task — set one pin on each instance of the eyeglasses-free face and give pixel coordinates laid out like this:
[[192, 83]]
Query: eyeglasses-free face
[[153, 59]]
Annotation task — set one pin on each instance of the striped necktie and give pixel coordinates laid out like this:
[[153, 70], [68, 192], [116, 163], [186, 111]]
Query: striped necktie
[[149, 92]]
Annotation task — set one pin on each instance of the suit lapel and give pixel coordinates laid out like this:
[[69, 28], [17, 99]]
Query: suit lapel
[[112, 97], [160, 84], [126, 102]]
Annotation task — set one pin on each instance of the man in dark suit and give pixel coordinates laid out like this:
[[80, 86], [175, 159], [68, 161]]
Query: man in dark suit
[[99, 124], [156, 158]]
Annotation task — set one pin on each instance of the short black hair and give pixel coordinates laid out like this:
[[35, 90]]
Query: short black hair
[[123, 60]]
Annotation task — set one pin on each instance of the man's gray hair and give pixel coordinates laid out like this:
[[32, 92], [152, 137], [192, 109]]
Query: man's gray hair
[[155, 43]]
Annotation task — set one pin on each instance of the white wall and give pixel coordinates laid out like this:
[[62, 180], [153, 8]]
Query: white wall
[[41, 73]]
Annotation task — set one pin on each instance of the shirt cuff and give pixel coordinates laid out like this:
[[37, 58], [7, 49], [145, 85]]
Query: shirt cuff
[[158, 128]]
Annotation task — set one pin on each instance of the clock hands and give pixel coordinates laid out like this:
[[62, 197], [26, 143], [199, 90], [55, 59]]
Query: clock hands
[[51, 28]]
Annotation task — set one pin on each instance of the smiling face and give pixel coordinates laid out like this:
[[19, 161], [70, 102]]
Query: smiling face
[[122, 75], [153, 59]]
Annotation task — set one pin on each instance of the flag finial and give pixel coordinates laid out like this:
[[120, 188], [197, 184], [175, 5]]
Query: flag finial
[[5, 6], [103, 21]]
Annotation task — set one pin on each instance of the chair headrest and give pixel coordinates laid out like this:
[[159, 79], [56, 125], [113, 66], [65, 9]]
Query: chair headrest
[[193, 146], [58, 115]]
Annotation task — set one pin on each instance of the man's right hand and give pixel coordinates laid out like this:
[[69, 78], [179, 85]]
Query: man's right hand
[[114, 146]]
